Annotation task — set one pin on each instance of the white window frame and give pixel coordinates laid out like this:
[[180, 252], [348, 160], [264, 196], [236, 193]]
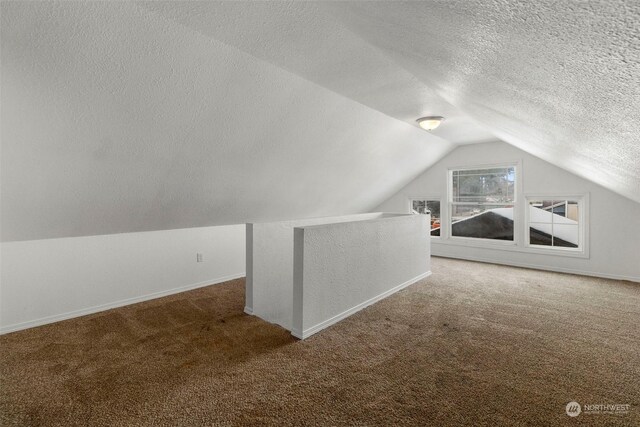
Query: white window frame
[[429, 199], [477, 241], [582, 251]]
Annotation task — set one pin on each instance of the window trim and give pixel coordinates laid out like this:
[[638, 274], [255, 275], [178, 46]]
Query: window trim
[[583, 225], [477, 241], [429, 199]]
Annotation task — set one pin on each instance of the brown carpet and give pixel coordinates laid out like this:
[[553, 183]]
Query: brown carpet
[[473, 345]]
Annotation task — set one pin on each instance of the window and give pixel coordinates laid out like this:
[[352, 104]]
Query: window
[[482, 202], [422, 206], [556, 223]]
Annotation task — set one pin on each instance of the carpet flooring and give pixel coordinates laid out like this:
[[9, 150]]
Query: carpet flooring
[[472, 345]]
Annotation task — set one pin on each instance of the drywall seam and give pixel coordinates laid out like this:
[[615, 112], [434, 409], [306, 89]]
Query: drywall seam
[[540, 267], [335, 319], [103, 307]]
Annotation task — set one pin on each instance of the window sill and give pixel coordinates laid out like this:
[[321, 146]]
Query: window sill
[[568, 252], [508, 246], [483, 243]]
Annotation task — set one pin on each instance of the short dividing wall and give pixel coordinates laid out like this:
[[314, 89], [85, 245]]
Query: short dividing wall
[[269, 283], [306, 275]]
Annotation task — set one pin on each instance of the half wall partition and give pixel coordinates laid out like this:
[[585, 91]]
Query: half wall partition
[[308, 274]]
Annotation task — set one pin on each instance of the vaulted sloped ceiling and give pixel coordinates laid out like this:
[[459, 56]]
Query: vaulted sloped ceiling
[[115, 119], [558, 79], [120, 117], [308, 40]]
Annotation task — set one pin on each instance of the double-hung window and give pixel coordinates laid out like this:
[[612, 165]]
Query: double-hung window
[[481, 202]]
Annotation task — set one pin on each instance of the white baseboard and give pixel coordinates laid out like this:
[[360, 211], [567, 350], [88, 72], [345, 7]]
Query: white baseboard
[[248, 310], [541, 267], [120, 303], [335, 319]]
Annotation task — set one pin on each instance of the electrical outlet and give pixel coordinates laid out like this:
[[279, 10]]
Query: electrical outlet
[[199, 258]]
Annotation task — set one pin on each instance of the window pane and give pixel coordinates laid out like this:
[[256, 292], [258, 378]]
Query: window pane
[[566, 235], [572, 210], [482, 221], [539, 237], [559, 208], [419, 206], [460, 212], [540, 211], [494, 185], [542, 227], [433, 206]]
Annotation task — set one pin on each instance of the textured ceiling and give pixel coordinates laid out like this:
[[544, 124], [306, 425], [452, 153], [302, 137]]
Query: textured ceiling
[[121, 116], [558, 79], [306, 39], [115, 119]]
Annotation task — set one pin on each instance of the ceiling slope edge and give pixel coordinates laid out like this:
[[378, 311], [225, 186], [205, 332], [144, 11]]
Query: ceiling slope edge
[[306, 40], [430, 137], [558, 147]]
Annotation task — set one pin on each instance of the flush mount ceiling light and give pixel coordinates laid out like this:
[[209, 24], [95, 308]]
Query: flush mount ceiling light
[[430, 122]]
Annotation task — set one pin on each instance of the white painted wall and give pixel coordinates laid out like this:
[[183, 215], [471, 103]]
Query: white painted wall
[[115, 119], [614, 221], [269, 284], [43, 281], [343, 267]]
